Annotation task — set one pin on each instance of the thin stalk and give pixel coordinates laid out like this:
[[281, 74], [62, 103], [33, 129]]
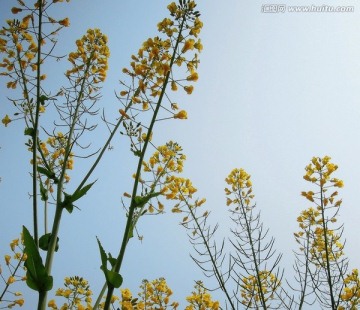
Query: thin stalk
[[36, 126], [59, 196], [125, 240], [248, 230], [46, 216], [307, 269], [328, 271], [13, 274], [213, 260]]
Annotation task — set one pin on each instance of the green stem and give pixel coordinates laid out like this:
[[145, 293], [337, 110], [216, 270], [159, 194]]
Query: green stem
[[129, 221], [253, 253], [59, 205], [13, 275], [212, 258], [42, 300], [307, 269], [325, 235], [36, 126]]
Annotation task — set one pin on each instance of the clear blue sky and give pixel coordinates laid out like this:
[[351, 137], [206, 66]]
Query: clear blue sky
[[275, 89]]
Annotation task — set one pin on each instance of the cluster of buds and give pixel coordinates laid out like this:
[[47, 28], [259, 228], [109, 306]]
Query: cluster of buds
[[14, 264], [24, 51], [250, 288], [151, 69], [318, 238], [155, 295], [90, 60], [201, 299], [240, 189], [77, 293], [52, 155], [351, 292]]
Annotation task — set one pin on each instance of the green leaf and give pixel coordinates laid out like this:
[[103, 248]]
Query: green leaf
[[69, 199], [81, 192], [44, 242], [48, 173], [140, 201], [43, 192], [67, 204], [29, 132], [102, 253], [131, 231], [136, 153], [36, 275], [42, 99], [111, 260], [112, 278]]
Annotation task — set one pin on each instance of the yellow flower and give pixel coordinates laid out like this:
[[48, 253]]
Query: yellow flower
[[181, 115], [52, 304], [193, 77], [198, 45], [188, 45], [15, 10], [64, 22], [123, 113], [6, 120], [10, 280], [19, 302], [189, 89], [7, 259], [172, 7], [339, 183], [173, 86], [123, 93], [19, 47], [126, 294]]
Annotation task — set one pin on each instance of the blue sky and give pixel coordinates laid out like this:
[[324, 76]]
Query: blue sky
[[275, 89]]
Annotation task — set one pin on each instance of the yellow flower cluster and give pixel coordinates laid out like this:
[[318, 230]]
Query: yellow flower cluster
[[154, 295], [14, 263], [77, 292], [177, 188], [90, 60], [351, 291], [18, 43], [315, 222], [317, 248], [240, 188], [163, 165], [251, 289], [200, 299], [319, 171], [20, 48], [167, 158], [308, 218], [152, 66], [52, 156]]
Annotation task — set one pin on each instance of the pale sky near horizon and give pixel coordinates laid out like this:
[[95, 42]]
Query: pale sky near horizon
[[275, 89]]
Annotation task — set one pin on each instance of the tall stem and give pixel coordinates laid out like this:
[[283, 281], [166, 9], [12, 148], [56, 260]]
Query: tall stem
[[36, 126], [59, 196], [325, 236], [253, 252], [129, 221], [212, 258]]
